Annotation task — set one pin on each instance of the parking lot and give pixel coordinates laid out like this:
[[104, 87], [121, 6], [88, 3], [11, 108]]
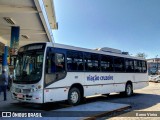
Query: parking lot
[[146, 99]]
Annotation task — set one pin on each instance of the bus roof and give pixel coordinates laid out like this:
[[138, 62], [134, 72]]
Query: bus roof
[[57, 45]]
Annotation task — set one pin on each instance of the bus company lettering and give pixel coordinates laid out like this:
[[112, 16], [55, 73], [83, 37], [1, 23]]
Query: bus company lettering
[[97, 78]]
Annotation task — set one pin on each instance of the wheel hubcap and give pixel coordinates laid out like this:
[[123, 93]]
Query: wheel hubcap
[[128, 90], [74, 97]]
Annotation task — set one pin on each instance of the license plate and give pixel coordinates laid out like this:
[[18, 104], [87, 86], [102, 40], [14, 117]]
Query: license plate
[[19, 96]]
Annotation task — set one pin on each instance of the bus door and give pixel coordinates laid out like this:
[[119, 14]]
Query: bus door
[[54, 71]]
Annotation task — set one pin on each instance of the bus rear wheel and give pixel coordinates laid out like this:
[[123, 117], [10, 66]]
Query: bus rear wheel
[[74, 96], [158, 81], [128, 90]]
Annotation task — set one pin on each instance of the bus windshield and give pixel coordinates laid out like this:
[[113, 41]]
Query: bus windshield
[[29, 67]]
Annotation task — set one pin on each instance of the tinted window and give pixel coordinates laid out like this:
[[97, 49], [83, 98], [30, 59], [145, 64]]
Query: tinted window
[[138, 66], [129, 65], [119, 64], [55, 63], [75, 61], [106, 63], [144, 66], [91, 62], [55, 67], [59, 62]]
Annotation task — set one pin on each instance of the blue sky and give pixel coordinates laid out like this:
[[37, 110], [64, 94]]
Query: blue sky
[[128, 25]]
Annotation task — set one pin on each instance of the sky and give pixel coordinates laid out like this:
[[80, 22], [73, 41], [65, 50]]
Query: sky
[[129, 25]]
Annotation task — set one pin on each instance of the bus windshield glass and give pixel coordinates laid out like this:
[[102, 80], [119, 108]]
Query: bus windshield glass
[[29, 66]]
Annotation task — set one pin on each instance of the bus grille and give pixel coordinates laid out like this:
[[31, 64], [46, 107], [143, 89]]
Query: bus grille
[[26, 91], [17, 90]]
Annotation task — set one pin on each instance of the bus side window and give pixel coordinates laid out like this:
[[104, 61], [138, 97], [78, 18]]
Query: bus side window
[[74, 60], [106, 63], [129, 64], [144, 66], [138, 66], [119, 65], [92, 62]]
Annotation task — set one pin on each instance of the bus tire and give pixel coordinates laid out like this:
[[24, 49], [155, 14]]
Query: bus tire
[[128, 90], [74, 96], [158, 81]]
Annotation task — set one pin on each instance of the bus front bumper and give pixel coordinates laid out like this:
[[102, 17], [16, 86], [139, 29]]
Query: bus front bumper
[[30, 98]]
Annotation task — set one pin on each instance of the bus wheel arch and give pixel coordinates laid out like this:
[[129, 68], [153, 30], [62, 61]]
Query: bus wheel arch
[[75, 94]]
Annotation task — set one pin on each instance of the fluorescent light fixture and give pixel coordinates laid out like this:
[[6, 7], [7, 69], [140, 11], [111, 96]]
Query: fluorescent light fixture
[[9, 20], [25, 36]]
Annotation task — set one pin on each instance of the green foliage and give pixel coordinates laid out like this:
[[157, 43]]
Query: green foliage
[[143, 55]]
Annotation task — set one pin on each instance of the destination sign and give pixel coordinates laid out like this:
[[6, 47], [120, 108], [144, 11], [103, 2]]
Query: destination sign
[[35, 47], [32, 47]]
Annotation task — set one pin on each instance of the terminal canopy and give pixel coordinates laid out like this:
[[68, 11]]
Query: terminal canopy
[[36, 19]]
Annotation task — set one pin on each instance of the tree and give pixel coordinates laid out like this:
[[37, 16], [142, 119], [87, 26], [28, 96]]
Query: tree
[[143, 55]]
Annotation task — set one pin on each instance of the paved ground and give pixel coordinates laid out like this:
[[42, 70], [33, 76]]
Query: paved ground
[[147, 99], [144, 102]]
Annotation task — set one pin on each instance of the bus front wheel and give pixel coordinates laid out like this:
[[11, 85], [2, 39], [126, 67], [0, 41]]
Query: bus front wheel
[[74, 96]]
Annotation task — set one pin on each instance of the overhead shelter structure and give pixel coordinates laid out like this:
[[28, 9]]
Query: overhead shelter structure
[[35, 18]]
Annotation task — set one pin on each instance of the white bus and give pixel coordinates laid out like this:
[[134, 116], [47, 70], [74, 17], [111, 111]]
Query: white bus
[[47, 72]]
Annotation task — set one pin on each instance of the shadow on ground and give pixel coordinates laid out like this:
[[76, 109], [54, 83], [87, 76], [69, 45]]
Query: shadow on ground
[[137, 102]]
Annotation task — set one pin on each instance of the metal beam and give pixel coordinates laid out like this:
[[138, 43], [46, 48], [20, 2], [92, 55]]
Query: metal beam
[[44, 17], [6, 31], [17, 9], [49, 6]]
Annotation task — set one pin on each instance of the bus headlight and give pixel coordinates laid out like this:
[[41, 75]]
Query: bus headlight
[[36, 88], [39, 86]]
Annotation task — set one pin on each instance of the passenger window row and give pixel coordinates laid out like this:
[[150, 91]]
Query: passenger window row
[[84, 61]]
